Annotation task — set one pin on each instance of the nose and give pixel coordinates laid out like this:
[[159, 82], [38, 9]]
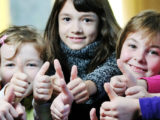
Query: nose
[[140, 56], [19, 67], [77, 27]]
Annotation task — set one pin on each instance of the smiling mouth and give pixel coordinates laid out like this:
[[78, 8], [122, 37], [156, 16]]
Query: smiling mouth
[[77, 39], [137, 69]]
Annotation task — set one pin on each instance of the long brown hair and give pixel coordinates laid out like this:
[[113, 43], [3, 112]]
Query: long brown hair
[[108, 30]]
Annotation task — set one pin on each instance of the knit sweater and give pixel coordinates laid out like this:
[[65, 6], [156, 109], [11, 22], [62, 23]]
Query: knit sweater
[[99, 76]]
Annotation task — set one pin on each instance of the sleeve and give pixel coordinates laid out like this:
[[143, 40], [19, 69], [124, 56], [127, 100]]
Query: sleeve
[[41, 111], [153, 83], [3, 90], [101, 75], [150, 108]]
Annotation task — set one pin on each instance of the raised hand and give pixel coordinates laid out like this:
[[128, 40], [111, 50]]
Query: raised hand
[[42, 87], [56, 78], [137, 92], [119, 84], [61, 105], [7, 111], [78, 87], [119, 108], [20, 83], [131, 79]]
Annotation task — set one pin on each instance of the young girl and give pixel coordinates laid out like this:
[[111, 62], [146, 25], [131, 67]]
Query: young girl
[[21, 53], [139, 52], [81, 33], [140, 40]]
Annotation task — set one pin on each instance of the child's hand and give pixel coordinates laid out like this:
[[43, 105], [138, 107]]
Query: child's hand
[[21, 112], [61, 105], [130, 78], [20, 83], [119, 108], [93, 115], [119, 84], [42, 87], [137, 92], [7, 111], [56, 78], [78, 87]]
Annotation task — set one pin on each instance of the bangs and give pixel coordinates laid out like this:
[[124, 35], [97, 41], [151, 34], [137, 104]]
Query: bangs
[[87, 6]]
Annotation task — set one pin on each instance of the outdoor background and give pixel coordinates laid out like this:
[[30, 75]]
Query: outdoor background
[[36, 12]]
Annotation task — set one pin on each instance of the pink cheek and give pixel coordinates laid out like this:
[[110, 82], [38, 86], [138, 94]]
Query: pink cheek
[[125, 56]]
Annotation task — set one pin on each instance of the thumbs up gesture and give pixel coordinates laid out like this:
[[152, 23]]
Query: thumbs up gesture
[[119, 108], [78, 87], [61, 105], [9, 111], [42, 87], [20, 83], [120, 83], [56, 78]]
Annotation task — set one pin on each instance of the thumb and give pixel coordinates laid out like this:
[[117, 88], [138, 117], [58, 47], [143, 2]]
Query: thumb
[[74, 72], [131, 80], [93, 115], [110, 91], [67, 96], [64, 87], [10, 96], [44, 68], [58, 69]]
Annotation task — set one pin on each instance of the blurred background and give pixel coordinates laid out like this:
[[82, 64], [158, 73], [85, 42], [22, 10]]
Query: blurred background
[[36, 12]]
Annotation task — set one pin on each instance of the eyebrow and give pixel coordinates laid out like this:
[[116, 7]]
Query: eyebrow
[[155, 46], [84, 15], [131, 39]]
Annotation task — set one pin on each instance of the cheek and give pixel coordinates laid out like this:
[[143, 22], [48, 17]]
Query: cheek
[[125, 55], [154, 66], [6, 76]]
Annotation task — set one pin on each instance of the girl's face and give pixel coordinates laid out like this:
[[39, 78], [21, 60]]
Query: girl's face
[[77, 29], [141, 56], [26, 60]]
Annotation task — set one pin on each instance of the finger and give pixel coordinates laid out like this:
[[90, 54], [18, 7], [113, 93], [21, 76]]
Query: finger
[[93, 115], [131, 80], [9, 116], [58, 68], [10, 96], [64, 88], [20, 109], [110, 91], [74, 72], [44, 68]]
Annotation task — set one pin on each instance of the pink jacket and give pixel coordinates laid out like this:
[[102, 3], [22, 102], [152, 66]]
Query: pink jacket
[[153, 83]]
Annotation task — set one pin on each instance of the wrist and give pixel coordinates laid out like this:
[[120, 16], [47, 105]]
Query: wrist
[[91, 87]]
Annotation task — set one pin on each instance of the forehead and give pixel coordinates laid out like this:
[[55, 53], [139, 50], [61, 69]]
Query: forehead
[[147, 36], [25, 50]]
